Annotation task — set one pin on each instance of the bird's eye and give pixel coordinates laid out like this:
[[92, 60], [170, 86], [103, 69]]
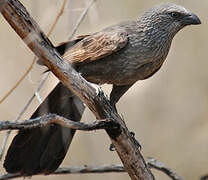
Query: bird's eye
[[175, 14]]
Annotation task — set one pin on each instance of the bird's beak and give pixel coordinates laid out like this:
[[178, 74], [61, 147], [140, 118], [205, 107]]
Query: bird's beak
[[191, 19]]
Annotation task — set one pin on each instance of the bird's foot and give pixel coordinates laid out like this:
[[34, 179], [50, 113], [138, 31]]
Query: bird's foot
[[136, 142], [112, 147]]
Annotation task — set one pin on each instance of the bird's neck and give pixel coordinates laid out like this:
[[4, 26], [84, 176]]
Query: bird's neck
[[156, 40], [157, 27]]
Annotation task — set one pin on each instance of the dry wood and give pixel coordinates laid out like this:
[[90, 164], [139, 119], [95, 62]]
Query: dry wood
[[51, 119], [112, 168]]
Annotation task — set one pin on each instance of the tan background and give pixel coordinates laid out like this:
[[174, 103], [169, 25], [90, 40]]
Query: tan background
[[168, 112]]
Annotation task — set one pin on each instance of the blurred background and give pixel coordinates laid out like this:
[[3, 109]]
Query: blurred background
[[168, 112]]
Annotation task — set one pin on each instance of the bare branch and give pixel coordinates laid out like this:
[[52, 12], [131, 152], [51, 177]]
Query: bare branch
[[153, 163], [84, 13], [55, 119], [76, 170], [61, 11], [103, 169], [20, 20]]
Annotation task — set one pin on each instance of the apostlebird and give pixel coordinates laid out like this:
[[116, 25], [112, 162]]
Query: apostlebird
[[119, 55]]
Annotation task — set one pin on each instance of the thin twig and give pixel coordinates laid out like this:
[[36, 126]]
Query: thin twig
[[82, 16], [77, 170], [153, 163], [102, 169], [18, 82], [50, 119], [57, 18]]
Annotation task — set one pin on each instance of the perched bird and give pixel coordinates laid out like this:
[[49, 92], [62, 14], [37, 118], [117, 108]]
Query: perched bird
[[120, 55]]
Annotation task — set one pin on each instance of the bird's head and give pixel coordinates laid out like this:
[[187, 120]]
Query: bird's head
[[169, 17]]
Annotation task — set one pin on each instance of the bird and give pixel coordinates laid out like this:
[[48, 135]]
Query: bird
[[120, 55]]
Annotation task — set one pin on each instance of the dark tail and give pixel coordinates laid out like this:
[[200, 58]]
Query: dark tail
[[42, 149]]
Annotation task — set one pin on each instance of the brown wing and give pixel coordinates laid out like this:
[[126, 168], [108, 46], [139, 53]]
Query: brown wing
[[96, 46], [64, 46]]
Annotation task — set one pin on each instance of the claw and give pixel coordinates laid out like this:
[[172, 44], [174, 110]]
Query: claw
[[135, 141], [112, 147]]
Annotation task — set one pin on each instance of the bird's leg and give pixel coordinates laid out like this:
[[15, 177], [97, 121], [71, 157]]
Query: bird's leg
[[116, 93]]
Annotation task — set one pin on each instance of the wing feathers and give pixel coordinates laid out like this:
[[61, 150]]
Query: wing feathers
[[96, 46]]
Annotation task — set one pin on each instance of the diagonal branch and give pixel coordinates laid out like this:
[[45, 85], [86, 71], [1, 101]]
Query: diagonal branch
[[55, 119], [20, 20]]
